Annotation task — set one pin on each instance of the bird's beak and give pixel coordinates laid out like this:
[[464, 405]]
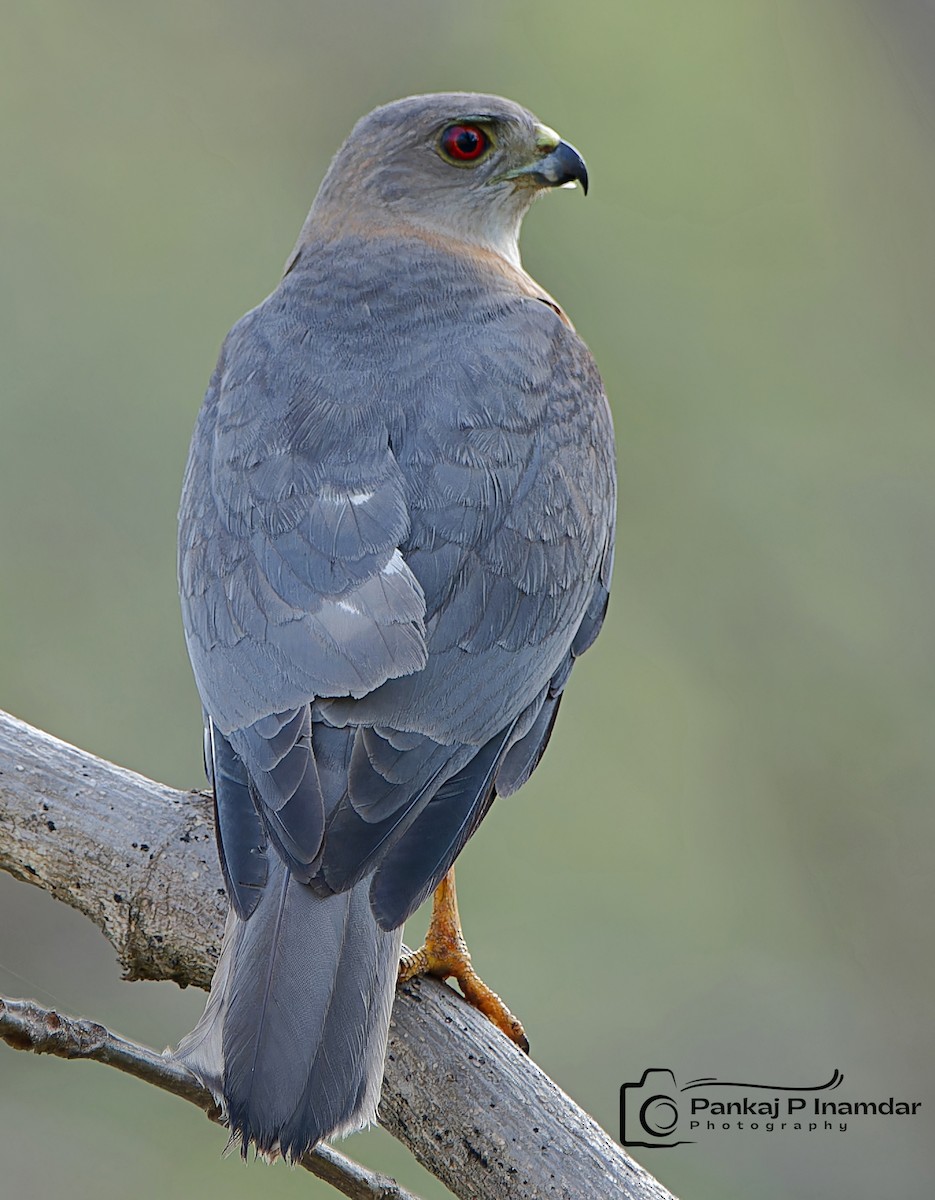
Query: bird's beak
[[557, 164], [562, 164]]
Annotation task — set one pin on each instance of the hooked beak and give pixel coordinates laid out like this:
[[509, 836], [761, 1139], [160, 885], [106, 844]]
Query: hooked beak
[[559, 164], [562, 166]]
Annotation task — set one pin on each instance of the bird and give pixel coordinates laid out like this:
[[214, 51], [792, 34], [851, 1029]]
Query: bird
[[396, 537]]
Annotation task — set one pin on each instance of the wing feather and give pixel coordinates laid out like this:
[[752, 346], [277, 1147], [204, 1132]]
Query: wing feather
[[399, 543]]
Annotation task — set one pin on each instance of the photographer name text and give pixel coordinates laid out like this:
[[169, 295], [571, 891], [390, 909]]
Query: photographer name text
[[798, 1109]]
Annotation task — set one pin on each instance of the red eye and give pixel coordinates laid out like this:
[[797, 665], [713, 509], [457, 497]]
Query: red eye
[[464, 143]]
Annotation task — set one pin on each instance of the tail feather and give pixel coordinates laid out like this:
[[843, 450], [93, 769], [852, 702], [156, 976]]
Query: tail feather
[[293, 1038]]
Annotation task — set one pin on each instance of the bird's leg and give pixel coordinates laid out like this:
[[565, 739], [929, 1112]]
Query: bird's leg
[[445, 955]]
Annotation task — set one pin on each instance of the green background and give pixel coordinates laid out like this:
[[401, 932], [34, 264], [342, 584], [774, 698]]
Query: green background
[[724, 865]]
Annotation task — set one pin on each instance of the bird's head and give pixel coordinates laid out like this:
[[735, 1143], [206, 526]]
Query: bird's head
[[461, 166]]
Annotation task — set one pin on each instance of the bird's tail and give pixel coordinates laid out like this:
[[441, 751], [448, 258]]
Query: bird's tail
[[293, 1038]]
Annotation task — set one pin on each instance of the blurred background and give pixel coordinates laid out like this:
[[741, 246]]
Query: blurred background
[[724, 865]]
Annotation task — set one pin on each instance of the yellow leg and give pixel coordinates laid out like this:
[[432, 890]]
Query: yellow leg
[[445, 955]]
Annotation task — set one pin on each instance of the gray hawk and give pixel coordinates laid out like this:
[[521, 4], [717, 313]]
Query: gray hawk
[[395, 538]]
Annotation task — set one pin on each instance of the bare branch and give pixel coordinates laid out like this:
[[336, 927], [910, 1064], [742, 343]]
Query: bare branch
[[138, 859], [27, 1026]]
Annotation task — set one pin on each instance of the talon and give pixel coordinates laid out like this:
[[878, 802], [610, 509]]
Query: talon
[[446, 956]]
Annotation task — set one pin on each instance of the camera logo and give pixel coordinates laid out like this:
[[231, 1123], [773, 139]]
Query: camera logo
[[655, 1112], [649, 1111]]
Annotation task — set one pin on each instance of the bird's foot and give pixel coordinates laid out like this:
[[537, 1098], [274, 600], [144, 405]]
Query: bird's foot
[[446, 956]]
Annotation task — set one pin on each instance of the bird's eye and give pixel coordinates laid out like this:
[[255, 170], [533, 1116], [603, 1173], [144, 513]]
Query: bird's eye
[[464, 143]]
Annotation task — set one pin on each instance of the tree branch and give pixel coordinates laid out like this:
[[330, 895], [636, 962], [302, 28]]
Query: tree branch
[[138, 859], [27, 1026]]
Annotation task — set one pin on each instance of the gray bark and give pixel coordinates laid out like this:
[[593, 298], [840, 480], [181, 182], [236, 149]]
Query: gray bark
[[138, 859]]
